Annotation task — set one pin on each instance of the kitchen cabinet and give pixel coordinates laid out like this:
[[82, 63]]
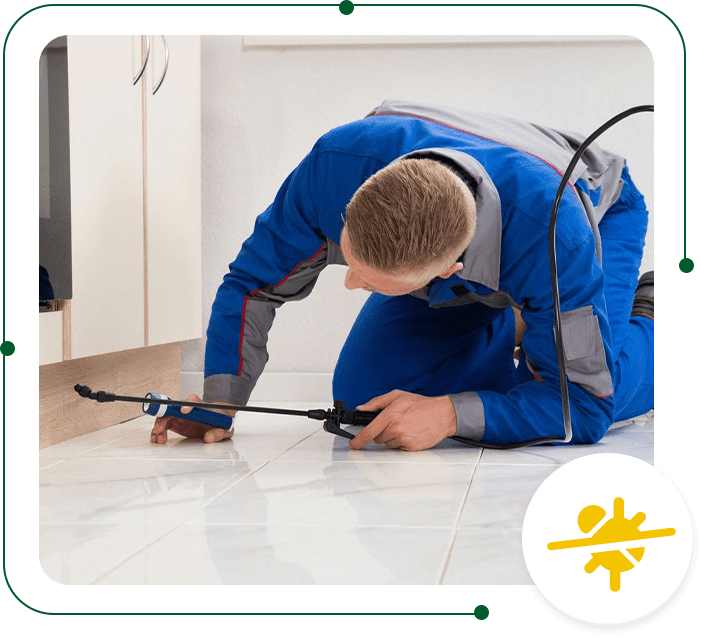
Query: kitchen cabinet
[[135, 226], [135, 170], [107, 195], [173, 190]]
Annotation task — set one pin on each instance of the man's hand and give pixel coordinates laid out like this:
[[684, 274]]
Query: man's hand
[[408, 421], [189, 429]]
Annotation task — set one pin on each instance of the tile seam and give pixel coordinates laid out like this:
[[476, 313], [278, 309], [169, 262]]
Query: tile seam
[[456, 525]]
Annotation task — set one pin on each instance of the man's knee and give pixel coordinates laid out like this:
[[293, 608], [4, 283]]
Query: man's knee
[[347, 386]]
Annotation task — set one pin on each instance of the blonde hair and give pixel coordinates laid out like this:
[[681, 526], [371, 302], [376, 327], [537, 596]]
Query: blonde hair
[[412, 215]]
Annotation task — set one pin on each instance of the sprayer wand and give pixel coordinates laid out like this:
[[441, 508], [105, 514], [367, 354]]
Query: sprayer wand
[[165, 407]]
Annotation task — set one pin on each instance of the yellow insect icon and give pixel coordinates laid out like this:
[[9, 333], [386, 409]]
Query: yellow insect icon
[[617, 529]]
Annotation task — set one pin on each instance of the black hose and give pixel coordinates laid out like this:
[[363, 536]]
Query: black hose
[[559, 346]]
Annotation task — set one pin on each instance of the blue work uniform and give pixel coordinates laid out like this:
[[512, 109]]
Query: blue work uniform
[[455, 336]]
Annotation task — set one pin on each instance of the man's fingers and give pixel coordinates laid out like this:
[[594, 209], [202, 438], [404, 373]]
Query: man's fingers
[[380, 402], [159, 433], [215, 435], [192, 398], [160, 425], [385, 436], [372, 431]]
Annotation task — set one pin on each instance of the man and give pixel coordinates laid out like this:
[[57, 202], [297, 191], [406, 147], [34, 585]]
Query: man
[[443, 214]]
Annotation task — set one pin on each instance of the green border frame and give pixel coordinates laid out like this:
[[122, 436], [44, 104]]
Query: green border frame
[[412, 609]]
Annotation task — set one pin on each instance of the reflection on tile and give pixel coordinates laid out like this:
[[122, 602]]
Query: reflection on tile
[[286, 502], [243, 446], [256, 436], [326, 447], [635, 440], [138, 491], [487, 556], [267, 436], [80, 553], [93, 440], [259, 426], [345, 493], [224, 554], [500, 495]]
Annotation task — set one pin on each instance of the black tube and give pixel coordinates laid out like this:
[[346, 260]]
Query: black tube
[[320, 414], [103, 397], [559, 346]]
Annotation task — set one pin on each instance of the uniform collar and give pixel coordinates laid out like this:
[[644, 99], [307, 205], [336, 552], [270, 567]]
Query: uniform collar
[[482, 259]]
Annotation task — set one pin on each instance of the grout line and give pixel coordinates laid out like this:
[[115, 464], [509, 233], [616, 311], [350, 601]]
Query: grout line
[[194, 514], [525, 464], [200, 458], [81, 455], [134, 554], [276, 525], [154, 457], [177, 525], [457, 520], [431, 463], [52, 463], [299, 442], [89, 456]]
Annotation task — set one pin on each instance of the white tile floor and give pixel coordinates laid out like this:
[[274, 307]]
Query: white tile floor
[[286, 503]]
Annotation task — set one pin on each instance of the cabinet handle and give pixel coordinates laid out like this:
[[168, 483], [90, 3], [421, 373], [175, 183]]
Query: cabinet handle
[[165, 66], [143, 68]]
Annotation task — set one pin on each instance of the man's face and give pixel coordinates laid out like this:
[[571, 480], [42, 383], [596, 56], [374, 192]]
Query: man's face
[[364, 277]]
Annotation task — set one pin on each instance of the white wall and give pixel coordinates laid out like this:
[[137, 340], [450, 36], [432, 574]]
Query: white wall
[[263, 107]]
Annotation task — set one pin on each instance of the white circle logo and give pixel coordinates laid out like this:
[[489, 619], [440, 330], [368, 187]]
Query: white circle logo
[[607, 539]]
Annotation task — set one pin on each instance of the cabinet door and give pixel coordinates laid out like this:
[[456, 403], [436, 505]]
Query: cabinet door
[[105, 111], [173, 208]]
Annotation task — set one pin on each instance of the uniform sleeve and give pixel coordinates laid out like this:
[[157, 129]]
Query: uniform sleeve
[[533, 409], [280, 261]]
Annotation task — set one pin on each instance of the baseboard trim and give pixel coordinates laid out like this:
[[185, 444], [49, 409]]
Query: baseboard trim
[[63, 414], [274, 386]]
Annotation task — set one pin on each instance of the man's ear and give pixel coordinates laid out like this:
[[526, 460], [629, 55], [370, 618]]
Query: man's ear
[[456, 267]]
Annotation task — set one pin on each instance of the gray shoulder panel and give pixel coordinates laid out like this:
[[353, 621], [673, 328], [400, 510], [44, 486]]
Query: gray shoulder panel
[[554, 146], [600, 168]]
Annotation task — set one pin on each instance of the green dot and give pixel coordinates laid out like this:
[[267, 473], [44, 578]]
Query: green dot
[[481, 612], [7, 348], [686, 265], [346, 7]]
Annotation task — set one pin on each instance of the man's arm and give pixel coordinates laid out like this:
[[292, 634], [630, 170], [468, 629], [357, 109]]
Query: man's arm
[[533, 409], [280, 261]]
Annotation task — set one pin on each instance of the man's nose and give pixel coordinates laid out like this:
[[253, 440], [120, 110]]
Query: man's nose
[[353, 281]]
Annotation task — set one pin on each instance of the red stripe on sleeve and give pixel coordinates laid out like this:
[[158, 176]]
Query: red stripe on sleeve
[[301, 263], [254, 292], [243, 324]]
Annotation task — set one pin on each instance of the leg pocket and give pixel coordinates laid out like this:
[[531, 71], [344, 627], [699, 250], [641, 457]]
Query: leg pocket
[[585, 357]]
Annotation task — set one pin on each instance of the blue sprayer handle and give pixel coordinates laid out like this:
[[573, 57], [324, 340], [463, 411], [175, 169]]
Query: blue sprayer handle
[[213, 418]]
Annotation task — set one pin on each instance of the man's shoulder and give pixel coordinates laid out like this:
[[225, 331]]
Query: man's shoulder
[[358, 137]]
